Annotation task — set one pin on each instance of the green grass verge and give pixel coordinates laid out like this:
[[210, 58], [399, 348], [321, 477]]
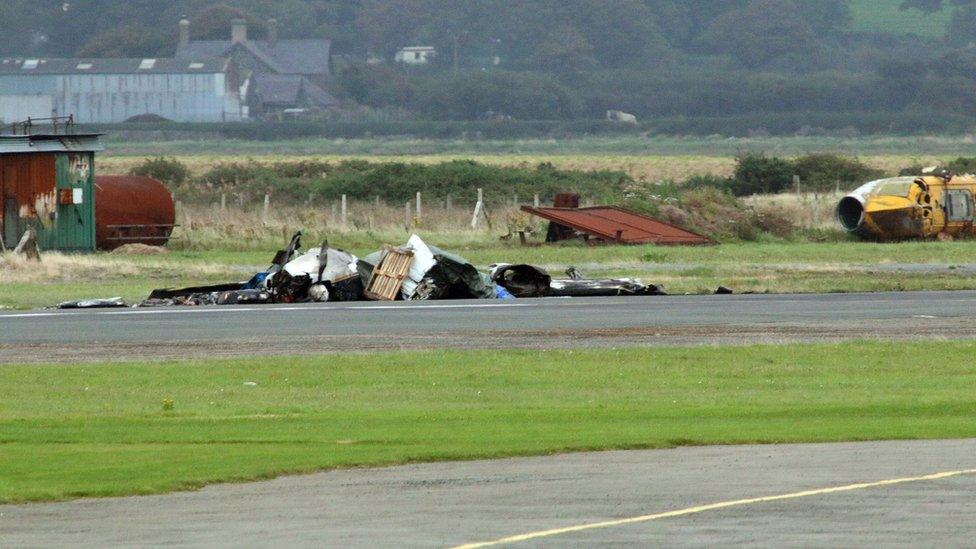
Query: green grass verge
[[101, 429]]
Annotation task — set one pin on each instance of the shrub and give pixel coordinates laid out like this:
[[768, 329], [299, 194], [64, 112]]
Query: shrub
[[823, 171], [775, 221], [914, 169], [397, 182], [713, 212], [758, 173], [709, 182], [226, 173], [962, 165], [167, 170]]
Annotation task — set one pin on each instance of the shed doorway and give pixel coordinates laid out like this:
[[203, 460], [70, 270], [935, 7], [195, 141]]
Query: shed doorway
[[11, 230], [11, 210]]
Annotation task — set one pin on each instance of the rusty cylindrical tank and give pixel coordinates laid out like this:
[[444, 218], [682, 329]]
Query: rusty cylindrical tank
[[132, 209]]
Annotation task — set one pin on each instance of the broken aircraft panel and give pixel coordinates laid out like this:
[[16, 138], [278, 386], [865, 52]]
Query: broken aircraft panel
[[620, 225]]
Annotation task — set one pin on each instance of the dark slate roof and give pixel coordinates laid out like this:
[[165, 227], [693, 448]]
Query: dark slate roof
[[285, 89], [310, 56], [319, 97], [111, 66]]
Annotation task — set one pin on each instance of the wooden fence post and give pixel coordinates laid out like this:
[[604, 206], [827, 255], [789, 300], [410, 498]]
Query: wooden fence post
[[187, 225], [478, 207], [796, 183], [535, 200], [406, 215], [267, 206], [419, 212], [344, 211], [223, 202]]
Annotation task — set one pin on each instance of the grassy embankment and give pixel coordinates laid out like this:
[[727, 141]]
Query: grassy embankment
[[112, 429], [776, 267]]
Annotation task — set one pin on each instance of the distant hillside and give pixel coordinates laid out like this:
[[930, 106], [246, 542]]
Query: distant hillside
[[884, 16]]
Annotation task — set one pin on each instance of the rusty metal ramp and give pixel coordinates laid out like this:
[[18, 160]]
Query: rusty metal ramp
[[616, 224]]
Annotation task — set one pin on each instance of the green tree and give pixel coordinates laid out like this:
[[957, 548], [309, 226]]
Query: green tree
[[564, 49], [134, 40], [388, 25], [825, 16], [214, 23], [761, 31], [374, 85], [757, 173], [931, 6], [625, 30], [925, 6], [962, 27]]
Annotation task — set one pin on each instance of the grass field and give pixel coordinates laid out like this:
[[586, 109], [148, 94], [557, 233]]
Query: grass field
[[640, 146], [112, 429], [766, 267]]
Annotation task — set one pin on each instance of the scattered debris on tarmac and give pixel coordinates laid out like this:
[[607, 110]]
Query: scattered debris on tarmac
[[112, 302], [415, 271]]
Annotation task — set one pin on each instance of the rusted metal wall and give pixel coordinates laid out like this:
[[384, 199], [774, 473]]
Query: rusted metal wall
[[132, 209], [30, 187]]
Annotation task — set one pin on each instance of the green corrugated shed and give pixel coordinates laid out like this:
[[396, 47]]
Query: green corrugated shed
[[47, 182]]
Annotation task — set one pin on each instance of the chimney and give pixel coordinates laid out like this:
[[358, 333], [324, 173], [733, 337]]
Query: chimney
[[272, 32], [184, 33], [238, 31]]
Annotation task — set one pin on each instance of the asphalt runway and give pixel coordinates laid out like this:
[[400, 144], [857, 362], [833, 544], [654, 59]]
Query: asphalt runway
[[888, 494], [529, 323]]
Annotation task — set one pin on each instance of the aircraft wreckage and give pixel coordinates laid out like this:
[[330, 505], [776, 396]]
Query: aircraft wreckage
[[412, 272], [900, 208]]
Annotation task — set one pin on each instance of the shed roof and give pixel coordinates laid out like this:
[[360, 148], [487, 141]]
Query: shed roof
[[306, 56], [79, 142], [113, 66]]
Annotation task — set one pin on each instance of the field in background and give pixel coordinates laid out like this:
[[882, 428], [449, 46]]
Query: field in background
[[715, 146], [884, 16], [642, 167], [651, 168], [113, 429]]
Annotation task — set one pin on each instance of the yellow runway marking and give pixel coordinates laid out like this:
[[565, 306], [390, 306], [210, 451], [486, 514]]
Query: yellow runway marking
[[711, 507]]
